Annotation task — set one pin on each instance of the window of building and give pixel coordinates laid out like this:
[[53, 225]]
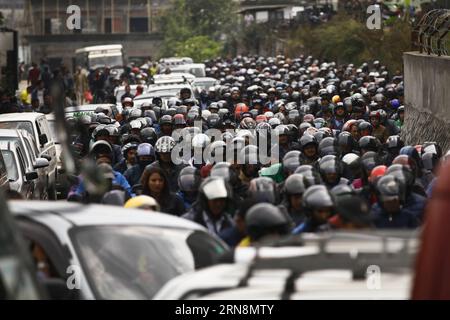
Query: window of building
[[138, 24], [108, 25]]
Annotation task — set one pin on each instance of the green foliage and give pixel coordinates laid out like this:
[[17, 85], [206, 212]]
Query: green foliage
[[190, 22], [346, 40], [199, 48]]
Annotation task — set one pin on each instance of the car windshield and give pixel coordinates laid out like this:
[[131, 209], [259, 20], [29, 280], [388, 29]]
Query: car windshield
[[25, 125], [11, 168], [109, 61], [134, 262], [174, 92]]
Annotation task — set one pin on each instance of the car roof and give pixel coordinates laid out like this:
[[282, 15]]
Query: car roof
[[100, 215], [25, 116], [168, 87], [87, 107]]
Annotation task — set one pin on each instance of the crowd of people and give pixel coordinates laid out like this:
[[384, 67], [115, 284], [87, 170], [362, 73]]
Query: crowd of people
[[340, 162]]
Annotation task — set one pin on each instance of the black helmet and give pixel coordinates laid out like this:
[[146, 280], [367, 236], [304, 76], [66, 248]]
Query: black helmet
[[369, 143], [307, 139], [403, 173], [328, 146], [316, 197], [365, 126], [351, 208], [370, 160], [265, 219], [127, 147], [331, 166], [352, 166], [149, 135], [294, 184], [390, 187], [346, 142], [291, 161], [263, 189], [189, 179], [394, 143]]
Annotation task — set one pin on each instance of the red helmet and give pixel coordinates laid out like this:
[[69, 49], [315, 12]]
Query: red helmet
[[377, 173], [240, 109], [348, 125], [261, 118]]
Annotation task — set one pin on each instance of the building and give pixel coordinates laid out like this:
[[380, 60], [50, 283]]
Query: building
[[132, 23]]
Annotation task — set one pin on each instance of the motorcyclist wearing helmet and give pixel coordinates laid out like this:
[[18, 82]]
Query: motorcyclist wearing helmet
[[352, 211], [163, 148], [292, 191], [331, 170], [101, 152], [266, 222], [339, 117], [392, 211], [212, 208], [318, 206], [189, 184], [166, 126], [401, 117], [129, 152], [250, 165], [309, 148], [379, 131], [145, 156], [104, 135]]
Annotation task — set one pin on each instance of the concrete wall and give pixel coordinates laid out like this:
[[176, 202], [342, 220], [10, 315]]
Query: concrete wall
[[427, 99]]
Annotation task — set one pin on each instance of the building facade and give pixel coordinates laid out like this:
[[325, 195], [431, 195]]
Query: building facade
[[132, 23]]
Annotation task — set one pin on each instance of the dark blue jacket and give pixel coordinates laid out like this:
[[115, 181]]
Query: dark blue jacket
[[133, 175], [407, 218]]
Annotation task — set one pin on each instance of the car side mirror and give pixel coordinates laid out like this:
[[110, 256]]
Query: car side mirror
[[57, 290], [30, 176], [41, 163], [43, 139]]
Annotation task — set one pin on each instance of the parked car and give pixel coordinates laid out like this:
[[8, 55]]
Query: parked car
[[168, 91], [172, 78], [4, 181], [31, 160], [205, 83], [17, 274], [37, 125], [116, 253], [20, 178], [339, 266]]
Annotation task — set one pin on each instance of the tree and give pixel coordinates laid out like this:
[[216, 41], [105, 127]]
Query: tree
[[199, 48], [188, 21]]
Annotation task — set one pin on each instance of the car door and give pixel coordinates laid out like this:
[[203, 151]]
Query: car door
[[17, 279], [48, 149]]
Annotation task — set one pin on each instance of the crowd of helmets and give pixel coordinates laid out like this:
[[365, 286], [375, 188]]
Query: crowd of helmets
[[341, 162]]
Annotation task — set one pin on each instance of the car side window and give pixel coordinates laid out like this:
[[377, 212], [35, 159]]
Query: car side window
[[21, 161]]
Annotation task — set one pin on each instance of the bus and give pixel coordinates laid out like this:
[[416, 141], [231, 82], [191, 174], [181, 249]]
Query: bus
[[111, 56]]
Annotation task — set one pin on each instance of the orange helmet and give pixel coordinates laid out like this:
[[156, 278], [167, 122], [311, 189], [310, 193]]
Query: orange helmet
[[377, 173], [240, 109]]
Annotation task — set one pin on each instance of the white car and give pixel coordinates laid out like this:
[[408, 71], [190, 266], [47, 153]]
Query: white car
[[205, 83], [197, 69], [37, 125], [347, 266], [115, 253], [120, 91], [173, 78], [169, 91], [31, 161]]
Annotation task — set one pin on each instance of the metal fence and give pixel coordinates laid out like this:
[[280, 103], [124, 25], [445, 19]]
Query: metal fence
[[431, 34]]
